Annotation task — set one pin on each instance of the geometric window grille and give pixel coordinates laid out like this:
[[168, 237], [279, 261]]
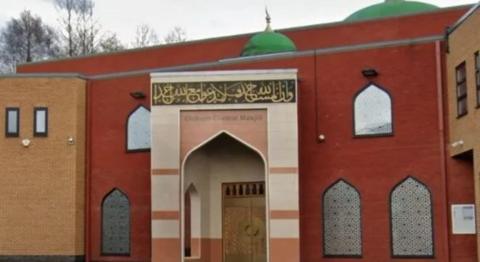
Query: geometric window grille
[[412, 221], [372, 112], [138, 130], [116, 224], [342, 221]]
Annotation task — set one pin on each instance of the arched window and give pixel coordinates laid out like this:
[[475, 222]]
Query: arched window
[[116, 224], [192, 222], [138, 130], [372, 112], [341, 221], [411, 215]]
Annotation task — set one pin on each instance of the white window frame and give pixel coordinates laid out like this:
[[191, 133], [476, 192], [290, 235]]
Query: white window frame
[[357, 113], [36, 132], [128, 146], [7, 122]]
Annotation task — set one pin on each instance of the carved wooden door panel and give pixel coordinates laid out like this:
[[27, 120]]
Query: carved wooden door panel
[[259, 242], [244, 237]]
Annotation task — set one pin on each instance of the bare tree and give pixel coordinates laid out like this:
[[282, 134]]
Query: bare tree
[[27, 39], [67, 10], [110, 43], [82, 34], [87, 27], [145, 35], [175, 35]]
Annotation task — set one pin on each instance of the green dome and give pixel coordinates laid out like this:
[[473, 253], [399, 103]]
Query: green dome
[[268, 42], [391, 8]]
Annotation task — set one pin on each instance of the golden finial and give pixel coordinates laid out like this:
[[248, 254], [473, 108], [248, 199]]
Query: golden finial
[[269, 20]]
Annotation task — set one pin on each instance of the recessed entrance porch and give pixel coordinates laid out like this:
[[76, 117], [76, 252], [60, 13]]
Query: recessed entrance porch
[[224, 203]]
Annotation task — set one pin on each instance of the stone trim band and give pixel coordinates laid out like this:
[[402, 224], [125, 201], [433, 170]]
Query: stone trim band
[[42, 258]]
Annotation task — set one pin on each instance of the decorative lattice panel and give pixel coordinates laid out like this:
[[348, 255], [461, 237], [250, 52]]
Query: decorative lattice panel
[[342, 222], [259, 242], [373, 112], [411, 214], [116, 224], [237, 241]]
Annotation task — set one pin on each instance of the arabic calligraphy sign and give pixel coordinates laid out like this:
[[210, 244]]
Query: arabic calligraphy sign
[[233, 92]]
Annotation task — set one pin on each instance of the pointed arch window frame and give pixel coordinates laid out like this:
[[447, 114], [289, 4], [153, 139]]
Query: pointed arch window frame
[[324, 224], [196, 195], [127, 254], [126, 131], [366, 86], [431, 222]]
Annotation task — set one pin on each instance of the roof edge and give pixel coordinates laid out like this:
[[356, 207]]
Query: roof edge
[[463, 18], [239, 60], [206, 40], [44, 75], [225, 72]]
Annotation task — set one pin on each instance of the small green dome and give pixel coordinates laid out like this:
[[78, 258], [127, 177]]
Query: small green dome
[[268, 42], [391, 8]]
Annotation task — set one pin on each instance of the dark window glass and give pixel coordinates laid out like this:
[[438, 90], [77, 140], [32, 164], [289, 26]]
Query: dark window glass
[[12, 122], [411, 220], [461, 80], [116, 224], [40, 122], [477, 76], [341, 221]]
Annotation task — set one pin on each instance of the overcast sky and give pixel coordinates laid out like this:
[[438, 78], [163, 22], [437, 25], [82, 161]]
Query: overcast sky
[[204, 18]]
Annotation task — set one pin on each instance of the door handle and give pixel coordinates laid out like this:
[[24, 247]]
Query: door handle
[[246, 229], [250, 231]]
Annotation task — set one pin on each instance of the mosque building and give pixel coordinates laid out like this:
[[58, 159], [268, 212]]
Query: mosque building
[[348, 141]]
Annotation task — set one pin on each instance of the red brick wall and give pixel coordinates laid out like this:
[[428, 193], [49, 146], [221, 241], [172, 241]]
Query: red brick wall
[[329, 35], [373, 165], [109, 105], [461, 191]]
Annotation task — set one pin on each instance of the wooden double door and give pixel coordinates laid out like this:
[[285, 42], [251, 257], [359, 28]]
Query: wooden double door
[[244, 230]]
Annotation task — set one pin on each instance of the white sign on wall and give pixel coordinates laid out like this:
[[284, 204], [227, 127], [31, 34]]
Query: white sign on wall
[[463, 219]]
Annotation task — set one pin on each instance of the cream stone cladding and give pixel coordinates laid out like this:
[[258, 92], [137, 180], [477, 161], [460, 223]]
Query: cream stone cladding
[[464, 131], [280, 158], [42, 184]]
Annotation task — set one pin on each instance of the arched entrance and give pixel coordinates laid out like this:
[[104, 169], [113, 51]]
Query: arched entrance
[[226, 134], [229, 181]]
